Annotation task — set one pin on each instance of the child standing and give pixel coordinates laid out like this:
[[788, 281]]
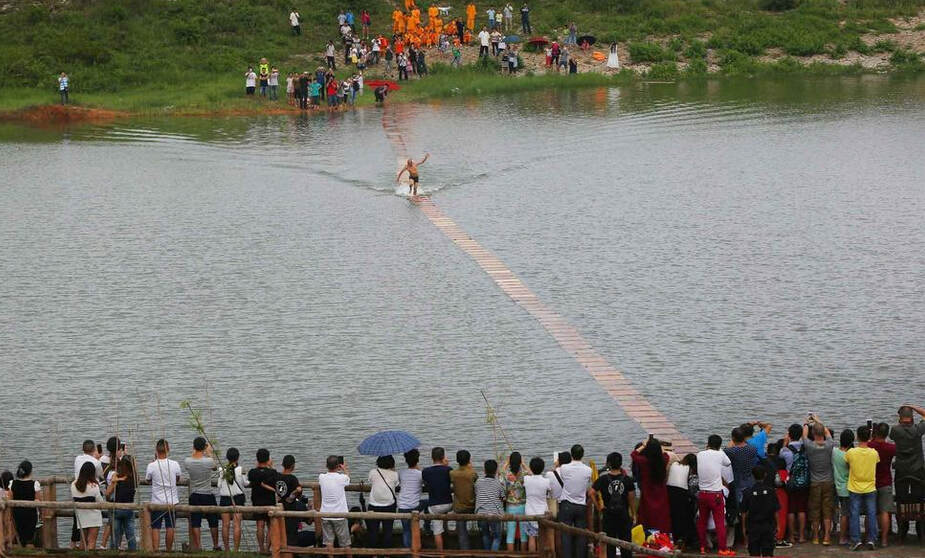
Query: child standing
[[759, 511], [489, 500], [290, 92]]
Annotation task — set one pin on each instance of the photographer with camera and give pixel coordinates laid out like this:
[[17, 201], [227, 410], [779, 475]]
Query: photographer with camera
[[334, 500]]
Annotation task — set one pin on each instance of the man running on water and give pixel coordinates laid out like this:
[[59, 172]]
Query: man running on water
[[412, 169]]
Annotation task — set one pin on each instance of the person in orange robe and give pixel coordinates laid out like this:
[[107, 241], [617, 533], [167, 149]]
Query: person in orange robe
[[396, 18], [438, 25], [470, 16], [467, 37], [399, 46], [416, 14], [409, 5], [432, 12]]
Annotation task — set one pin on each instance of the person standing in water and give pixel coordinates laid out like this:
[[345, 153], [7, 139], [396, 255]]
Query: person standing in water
[[412, 168]]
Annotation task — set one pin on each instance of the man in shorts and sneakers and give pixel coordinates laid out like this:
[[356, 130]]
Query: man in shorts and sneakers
[[440, 496], [821, 479], [910, 469], [334, 500], [201, 467], [797, 483]]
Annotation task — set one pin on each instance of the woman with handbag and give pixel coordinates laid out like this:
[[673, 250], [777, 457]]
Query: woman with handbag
[[383, 481]]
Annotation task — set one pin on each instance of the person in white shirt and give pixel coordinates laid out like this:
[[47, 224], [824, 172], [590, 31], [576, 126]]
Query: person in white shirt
[[163, 475], [250, 81], [86, 488], [409, 497], [383, 482], [484, 38], [295, 22], [334, 500], [231, 485], [576, 480], [89, 455], [711, 464], [537, 488]]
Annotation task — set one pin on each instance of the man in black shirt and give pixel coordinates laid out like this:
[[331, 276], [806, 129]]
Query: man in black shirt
[[759, 510], [614, 494], [263, 493], [289, 491]]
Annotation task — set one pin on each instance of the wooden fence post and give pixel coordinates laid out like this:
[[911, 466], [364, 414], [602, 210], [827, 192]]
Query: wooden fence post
[[147, 545], [49, 518], [276, 536], [551, 540], [316, 505], [601, 549], [5, 522], [415, 534]]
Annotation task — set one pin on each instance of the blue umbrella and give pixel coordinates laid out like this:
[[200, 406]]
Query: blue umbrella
[[512, 39], [389, 442]]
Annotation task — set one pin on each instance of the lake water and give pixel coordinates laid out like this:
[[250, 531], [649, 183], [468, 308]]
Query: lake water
[[741, 250]]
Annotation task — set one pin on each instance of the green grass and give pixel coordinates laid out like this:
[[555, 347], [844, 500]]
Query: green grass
[[152, 55]]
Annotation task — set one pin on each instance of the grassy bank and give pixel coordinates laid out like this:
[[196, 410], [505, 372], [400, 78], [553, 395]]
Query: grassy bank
[[189, 55]]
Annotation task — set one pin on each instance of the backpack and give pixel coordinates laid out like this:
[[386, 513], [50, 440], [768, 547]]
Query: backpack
[[799, 470], [616, 488]]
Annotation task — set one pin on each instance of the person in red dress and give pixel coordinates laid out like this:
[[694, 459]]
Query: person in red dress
[[652, 463]]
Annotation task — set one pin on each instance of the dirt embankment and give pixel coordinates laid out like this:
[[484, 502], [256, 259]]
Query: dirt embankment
[[60, 114]]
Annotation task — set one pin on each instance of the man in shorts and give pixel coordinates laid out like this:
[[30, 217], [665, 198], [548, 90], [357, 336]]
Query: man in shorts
[[885, 505], [437, 483], [412, 169], [163, 475], [263, 479], [334, 500], [910, 469], [821, 480], [201, 467]]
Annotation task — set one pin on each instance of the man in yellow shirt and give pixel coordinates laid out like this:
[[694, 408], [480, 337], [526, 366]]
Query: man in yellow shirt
[[862, 488]]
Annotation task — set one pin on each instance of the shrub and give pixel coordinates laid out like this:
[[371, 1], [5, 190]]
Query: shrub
[[696, 49], [650, 52], [907, 60], [696, 67], [663, 71], [737, 63], [676, 44], [486, 64], [884, 45], [778, 5]]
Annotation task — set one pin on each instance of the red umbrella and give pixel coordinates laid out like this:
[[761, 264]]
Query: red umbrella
[[374, 83], [538, 41]]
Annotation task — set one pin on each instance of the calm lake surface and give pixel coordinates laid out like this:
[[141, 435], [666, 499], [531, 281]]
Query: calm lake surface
[[742, 250]]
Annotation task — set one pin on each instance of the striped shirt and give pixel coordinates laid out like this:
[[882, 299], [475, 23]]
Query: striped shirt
[[489, 496]]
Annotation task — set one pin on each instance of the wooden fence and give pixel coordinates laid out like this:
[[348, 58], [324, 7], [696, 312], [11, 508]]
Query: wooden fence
[[549, 528]]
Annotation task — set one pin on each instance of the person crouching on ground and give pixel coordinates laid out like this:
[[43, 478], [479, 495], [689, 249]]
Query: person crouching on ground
[[759, 511]]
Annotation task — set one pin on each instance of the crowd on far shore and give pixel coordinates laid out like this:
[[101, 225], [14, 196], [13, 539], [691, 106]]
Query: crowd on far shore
[[403, 55], [812, 484]]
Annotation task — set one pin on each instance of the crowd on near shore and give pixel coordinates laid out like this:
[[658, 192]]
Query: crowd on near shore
[[811, 484]]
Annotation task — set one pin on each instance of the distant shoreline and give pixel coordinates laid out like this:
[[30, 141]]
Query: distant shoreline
[[22, 108]]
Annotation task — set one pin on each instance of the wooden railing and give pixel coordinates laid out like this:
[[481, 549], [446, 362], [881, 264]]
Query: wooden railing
[[546, 539]]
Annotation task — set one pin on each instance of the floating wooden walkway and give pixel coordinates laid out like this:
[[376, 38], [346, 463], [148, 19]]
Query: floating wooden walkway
[[633, 403]]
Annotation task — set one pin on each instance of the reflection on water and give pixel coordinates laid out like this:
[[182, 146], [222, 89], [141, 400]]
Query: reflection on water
[[741, 249]]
